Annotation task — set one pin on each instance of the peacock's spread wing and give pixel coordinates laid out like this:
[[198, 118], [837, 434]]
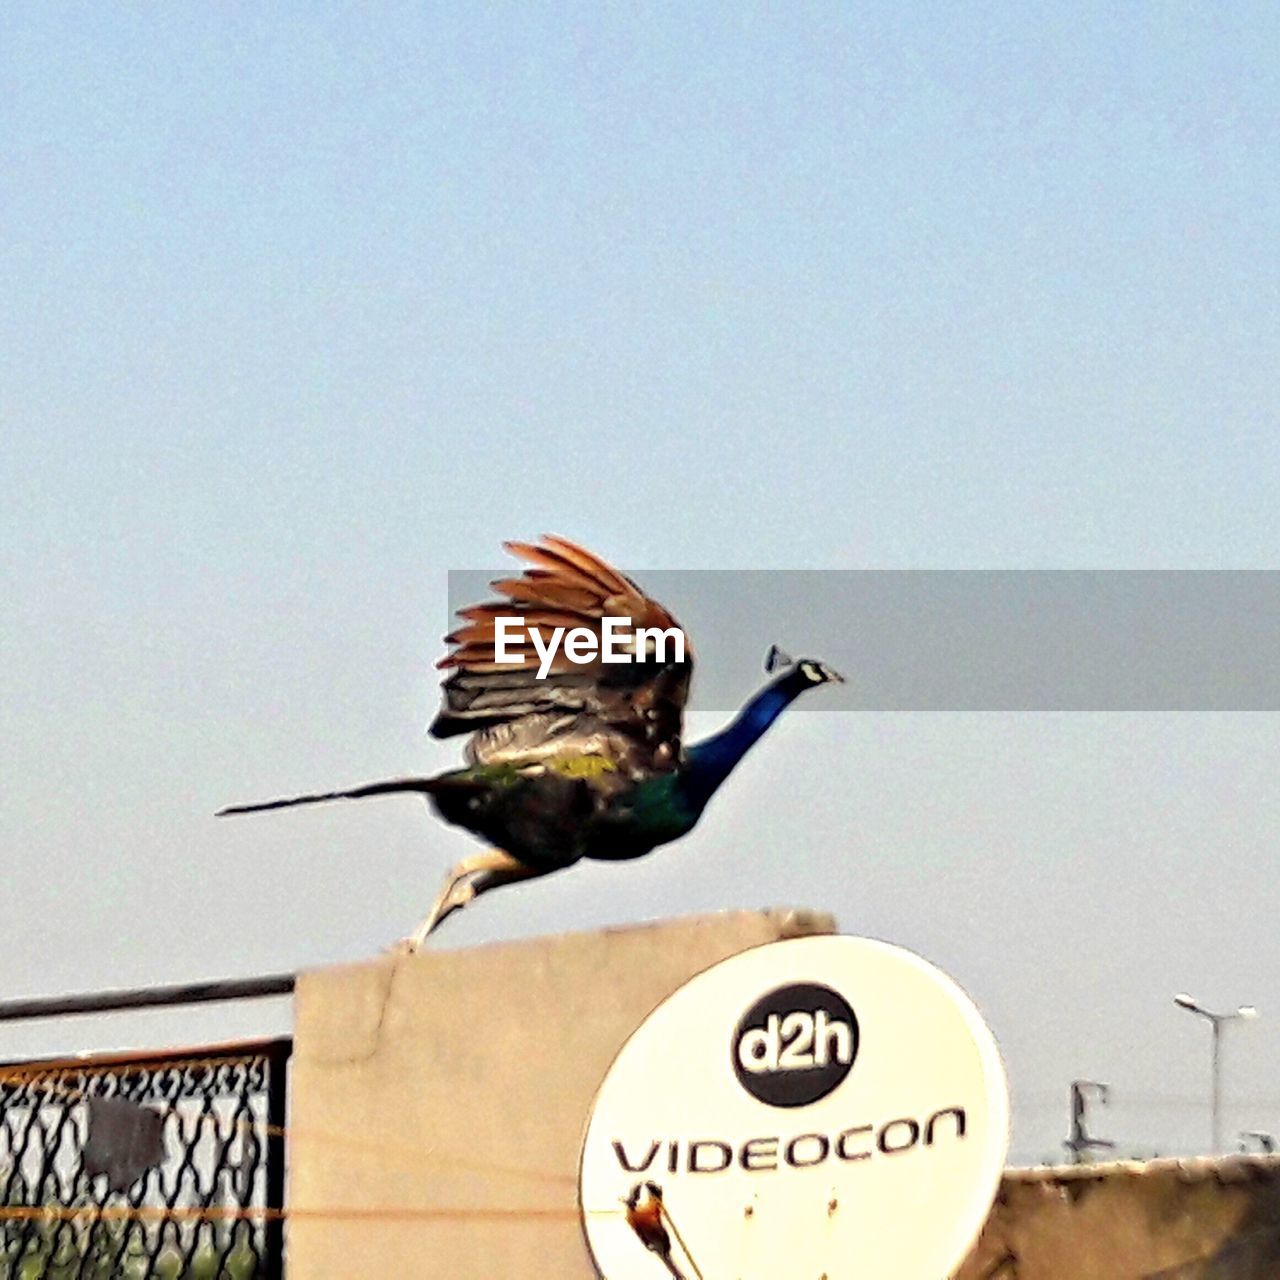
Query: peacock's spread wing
[[628, 714]]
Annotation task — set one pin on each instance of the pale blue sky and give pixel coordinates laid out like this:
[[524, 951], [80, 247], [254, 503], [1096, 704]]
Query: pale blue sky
[[304, 306]]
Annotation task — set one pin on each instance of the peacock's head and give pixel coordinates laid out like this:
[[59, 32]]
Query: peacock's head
[[808, 669]]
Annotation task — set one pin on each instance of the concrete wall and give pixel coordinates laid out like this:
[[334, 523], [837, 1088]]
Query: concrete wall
[[1161, 1220], [462, 1080], [438, 1103]]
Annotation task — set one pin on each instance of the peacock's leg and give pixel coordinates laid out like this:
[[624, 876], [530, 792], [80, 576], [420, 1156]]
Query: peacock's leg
[[470, 878]]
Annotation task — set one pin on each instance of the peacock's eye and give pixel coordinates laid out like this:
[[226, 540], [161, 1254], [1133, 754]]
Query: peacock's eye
[[810, 671]]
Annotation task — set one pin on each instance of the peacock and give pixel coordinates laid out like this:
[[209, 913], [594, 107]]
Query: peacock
[[570, 759]]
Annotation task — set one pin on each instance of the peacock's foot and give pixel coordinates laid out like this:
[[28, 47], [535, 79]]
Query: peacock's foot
[[470, 878]]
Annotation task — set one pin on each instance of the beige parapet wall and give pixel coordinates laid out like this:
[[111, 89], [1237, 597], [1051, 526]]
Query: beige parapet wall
[[438, 1101], [458, 1084], [1157, 1220]]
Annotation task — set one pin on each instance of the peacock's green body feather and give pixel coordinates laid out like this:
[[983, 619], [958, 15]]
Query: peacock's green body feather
[[555, 810], [566, 808]]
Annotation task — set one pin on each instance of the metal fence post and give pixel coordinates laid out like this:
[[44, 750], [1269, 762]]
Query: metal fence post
[[277, 1100]]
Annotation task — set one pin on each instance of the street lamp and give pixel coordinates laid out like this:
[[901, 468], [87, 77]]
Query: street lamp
[[1216, 1020]]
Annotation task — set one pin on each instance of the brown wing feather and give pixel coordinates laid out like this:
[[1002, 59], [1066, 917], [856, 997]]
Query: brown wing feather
[[537, 588], [608, 577], [553, 564], [635, 709]]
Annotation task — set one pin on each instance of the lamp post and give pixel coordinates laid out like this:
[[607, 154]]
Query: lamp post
[[1216, 1021]]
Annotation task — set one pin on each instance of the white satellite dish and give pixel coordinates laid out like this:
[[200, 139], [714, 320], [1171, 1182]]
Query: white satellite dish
[[825, 1106]]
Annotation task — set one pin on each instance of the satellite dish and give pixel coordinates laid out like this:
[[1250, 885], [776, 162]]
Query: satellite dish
[[821, 1106]]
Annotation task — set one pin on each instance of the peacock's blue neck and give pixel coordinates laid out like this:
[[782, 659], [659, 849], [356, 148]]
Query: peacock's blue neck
[[711, 761]]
